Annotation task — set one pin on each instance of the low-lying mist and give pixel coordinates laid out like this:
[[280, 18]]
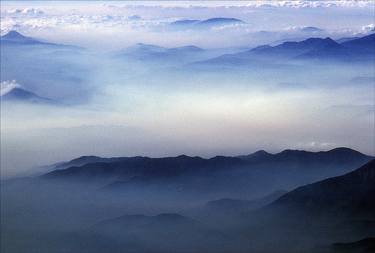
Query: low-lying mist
[[139, 108]]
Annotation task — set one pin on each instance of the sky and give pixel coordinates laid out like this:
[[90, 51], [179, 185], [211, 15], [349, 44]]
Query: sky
[[125, 108]]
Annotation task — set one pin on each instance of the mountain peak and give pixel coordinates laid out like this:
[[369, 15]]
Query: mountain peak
[[318, 42], [343, 150], [21, 95], [257, 156], [261, 153], [85, 158], [328, 40], [13, 35]]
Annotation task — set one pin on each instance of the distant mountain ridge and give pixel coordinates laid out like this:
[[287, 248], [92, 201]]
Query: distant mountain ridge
[[293, 49], [207, 23], [163, 55], [298, 167], [322, 49]]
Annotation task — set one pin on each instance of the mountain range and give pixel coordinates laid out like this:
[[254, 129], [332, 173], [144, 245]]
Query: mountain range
[[152, 53], [335, 209], [254, 174], [307, 218], [356, 49], [173, 166], [49, 70], [312, 49]]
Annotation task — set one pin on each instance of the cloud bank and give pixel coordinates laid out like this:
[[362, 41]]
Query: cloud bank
[[128, 23]]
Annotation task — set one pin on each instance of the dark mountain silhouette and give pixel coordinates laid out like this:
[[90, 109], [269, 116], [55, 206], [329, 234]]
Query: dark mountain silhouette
[[80, 161], [355, 50], [293, 49], [349, 196], [366, 245], [217, 177], [337, 209], [176, 166], [145, 167]]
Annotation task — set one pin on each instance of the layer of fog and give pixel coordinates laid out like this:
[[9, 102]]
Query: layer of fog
[[167, 112]]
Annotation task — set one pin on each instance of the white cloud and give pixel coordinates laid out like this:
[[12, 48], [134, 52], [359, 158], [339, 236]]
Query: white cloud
[[89, 25], [368, 28], [8, 86], [26, 11]]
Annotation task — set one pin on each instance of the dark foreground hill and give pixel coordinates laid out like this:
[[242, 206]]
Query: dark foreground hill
[[74, 218], [366, 245], [349, 196], [338, 209], [308, 219]]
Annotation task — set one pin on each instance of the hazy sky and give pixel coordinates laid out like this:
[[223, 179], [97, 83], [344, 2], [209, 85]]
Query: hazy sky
[[118, 24], [147, 110]]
